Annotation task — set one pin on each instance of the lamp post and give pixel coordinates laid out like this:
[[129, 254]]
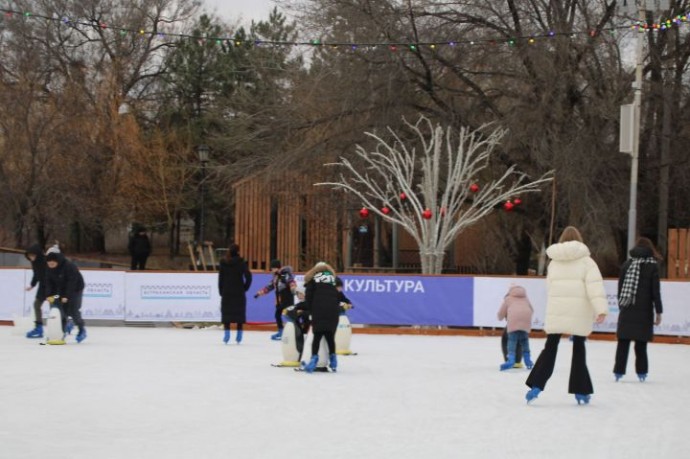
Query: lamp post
[[202, 151]]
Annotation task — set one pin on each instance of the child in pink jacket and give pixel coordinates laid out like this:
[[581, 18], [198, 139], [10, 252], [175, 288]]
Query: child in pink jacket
[[517, 310]]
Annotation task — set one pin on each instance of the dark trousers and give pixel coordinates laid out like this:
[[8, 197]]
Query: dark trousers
[[139, 262], [278, 316], [73, 309], [330, 341], [580, 382], [226, 326], [38, 311], [641, 361]]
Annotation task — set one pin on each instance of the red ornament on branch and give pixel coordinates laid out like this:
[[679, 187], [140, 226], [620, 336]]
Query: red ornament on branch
[[385, 210], [443, 212], [403, 196], [364, 212], [426, 215], [508, 206], [517, 201], [474, 188]]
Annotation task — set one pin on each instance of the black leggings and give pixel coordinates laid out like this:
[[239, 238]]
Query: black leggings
[[580, 382], [330, 341], [226, 326], [641, 360], [278, 316]]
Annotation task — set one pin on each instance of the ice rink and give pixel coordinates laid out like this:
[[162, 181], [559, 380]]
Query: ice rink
[[132, 393]]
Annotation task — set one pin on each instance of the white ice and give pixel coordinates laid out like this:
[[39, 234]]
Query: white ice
[[131, 393]]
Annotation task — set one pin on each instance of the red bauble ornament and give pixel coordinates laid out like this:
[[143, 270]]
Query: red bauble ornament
[[474, 188], [443, 212], [508, 206], [385, 210], [426, 215], [403, 196], [364, 212], [517, 201]]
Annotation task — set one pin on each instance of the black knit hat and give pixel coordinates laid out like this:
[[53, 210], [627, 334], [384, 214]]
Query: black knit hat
[[275, 263]]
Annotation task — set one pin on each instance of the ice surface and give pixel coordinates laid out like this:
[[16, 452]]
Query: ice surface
[[131, 393]]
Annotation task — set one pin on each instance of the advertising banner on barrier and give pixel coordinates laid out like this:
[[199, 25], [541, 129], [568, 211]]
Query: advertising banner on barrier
[[12, 285], [489, 293], [104, 295], [192, 297], [410, 300]]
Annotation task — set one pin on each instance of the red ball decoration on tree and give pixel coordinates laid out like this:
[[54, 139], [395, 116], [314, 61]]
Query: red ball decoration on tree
[[403, 196], [517, 201], [364, 212], [474, 188], [426, 215], [443, 212], [508, 206], [385, 210]]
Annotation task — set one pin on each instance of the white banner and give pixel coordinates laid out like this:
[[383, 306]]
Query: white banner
[[104, 295], [172, 297], [489, 293], [12, 285]]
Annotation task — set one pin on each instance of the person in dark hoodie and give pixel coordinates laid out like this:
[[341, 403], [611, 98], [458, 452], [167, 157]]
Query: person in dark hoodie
[[639, 301], [38, 265], [139, 248], [285, 287], [234, 279], [64, 281], [322, 301]]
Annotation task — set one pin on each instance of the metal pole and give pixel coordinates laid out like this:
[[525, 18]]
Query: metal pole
[[637, 103]]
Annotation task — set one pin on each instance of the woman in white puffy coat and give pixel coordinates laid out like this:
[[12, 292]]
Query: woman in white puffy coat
[[575, 299]]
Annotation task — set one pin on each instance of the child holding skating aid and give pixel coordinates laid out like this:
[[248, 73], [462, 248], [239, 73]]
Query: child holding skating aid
[[517, 311]]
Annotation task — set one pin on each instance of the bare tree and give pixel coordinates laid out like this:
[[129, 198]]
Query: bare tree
[[431, 195]]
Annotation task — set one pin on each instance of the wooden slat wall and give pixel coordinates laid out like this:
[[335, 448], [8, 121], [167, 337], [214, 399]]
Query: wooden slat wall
[[253, 223], [679, 253]]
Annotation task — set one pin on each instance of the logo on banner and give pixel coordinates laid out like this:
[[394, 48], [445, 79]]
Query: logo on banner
[[175, 292], [98, 290]]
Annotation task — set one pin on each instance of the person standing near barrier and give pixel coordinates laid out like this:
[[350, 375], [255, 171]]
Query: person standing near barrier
[[322, 301], [64, 280], [139, 248], [575, 297], [234, 279], [38, 265], [284, 285], [639, 298]]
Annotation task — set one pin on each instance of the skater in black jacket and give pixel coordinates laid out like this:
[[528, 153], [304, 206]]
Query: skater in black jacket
[[64, 281], [284, 285], [639, 301], [234, 279], [38, 265], [322, 300]]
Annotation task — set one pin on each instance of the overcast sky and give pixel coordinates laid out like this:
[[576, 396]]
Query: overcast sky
[[244, 10]]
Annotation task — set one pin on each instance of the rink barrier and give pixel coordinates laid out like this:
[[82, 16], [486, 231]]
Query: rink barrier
[[383, 300]]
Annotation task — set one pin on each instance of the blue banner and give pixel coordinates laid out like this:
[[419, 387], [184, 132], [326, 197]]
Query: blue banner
[[410, 300]]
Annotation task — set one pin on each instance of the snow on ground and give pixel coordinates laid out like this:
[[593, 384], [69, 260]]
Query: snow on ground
[[171, 393]]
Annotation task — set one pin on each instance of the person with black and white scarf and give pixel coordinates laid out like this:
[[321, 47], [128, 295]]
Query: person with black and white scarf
[[639, 302]]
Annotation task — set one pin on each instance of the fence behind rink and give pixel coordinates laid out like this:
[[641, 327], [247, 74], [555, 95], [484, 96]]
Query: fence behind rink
[[404, 300]]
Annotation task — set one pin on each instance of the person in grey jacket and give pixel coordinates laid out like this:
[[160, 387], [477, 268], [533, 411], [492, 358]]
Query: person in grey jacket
[[639, 302]]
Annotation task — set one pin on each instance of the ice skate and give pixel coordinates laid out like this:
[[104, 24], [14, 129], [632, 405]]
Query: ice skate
[[226, 336], [583, 399], [532, 394], [36, 332]]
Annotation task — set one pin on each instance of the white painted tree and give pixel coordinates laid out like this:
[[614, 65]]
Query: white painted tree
[[432, 195]]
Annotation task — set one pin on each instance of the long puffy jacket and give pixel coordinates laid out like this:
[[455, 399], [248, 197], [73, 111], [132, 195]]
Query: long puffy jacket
[[517, 310], [636, 322], [234, 279], [38, 266], [575, 290], [321, 297]]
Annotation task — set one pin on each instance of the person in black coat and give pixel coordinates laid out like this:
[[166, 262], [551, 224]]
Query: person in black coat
[[639, 298], [38, 265], [322, 300], [139, 248], [65, 288], [234, 279]]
